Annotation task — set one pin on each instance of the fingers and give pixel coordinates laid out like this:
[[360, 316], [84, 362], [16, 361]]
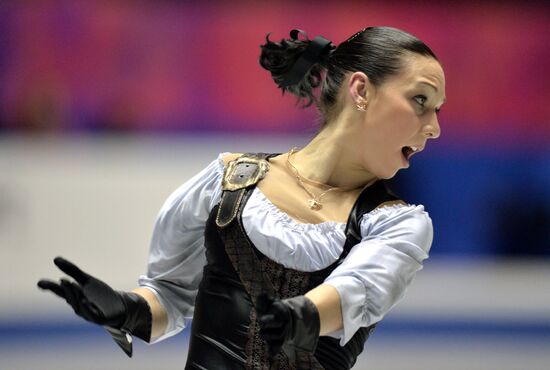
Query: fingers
[[71, 269], [51, 286], [263, 303], [271, 328], [272, 336], [77, 300], [273, 318], [73, 293], [269, 321]]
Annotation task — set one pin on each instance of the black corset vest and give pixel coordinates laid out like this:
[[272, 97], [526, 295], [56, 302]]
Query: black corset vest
[[224, 333]]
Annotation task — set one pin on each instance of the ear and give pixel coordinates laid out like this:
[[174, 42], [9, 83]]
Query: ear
[[358, 87]]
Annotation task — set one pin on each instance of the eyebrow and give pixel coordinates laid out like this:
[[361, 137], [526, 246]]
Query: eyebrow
[[433, 87], [429, 84]]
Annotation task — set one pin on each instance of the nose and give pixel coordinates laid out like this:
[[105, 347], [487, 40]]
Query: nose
[[431, 129]]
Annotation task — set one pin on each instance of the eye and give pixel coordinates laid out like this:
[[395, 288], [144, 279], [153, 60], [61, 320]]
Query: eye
[[420, 99]]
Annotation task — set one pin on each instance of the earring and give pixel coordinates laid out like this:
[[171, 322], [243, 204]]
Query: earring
[[361, 105]]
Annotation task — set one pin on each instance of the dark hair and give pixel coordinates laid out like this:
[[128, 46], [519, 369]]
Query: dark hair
[[376, 51]]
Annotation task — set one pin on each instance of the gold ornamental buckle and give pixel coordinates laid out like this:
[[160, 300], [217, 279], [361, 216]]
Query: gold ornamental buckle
[[243, 172]]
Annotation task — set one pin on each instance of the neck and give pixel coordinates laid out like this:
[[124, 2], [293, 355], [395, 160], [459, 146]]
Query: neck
[[330, 159]]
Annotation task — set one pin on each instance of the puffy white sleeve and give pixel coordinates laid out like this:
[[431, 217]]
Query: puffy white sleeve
[[177, 252], [377, 271]]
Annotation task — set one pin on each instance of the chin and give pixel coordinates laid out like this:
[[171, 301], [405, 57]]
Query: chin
[[384, 171], [386, 175]]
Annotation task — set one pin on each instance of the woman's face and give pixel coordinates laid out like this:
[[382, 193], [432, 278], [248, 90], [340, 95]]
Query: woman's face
[[401, 115]]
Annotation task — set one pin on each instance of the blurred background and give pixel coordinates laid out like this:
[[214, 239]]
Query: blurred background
[[107, 106]]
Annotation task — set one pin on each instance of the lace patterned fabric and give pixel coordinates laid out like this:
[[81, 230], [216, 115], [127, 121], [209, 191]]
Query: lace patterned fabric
[[282, 283]]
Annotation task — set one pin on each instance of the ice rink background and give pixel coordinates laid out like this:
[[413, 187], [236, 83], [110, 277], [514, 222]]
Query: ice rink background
[[107, 107], [94, 200]]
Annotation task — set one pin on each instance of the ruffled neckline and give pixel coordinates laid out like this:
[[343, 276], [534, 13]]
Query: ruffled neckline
[[292, 223], [296, 225]]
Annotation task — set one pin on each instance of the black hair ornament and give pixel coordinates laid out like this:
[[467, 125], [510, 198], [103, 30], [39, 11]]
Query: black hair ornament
[[313, 53]]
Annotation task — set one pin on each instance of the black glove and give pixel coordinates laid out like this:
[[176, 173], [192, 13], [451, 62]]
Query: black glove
[[122, 313], [288, 324]]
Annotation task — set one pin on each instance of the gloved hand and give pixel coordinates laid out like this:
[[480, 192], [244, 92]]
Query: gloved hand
[[121, 313], [288, 324]]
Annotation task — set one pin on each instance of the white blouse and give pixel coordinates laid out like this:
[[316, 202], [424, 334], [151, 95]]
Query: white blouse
[[370, 281]]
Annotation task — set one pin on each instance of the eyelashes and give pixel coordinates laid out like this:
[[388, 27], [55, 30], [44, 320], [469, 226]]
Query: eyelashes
[[420, 100]]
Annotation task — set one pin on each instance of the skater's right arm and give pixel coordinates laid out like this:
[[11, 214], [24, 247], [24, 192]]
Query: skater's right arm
[[164, 301]]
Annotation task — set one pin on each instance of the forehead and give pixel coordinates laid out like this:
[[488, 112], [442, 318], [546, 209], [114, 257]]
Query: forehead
[[419, 70]]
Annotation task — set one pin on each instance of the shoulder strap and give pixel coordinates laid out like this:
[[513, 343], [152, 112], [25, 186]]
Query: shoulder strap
[[239, 175], [368, 200]]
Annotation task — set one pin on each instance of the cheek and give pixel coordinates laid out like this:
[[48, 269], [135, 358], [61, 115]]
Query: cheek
[[395, 122]]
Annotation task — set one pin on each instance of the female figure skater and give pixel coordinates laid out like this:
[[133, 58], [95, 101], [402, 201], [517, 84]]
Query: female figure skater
[[287, 261]]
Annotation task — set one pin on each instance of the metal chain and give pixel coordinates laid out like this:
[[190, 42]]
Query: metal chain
[[314, 202]]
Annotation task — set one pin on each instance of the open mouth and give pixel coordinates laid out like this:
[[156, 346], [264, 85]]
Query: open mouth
[[408, 151]]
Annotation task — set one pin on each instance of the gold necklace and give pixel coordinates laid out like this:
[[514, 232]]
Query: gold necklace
[[314, 202]]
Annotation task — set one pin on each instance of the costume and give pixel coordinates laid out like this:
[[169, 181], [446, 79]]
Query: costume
[[224, 332]]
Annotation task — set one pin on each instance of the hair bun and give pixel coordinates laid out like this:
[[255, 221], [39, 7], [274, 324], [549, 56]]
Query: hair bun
[[295, 64], [313, 54]]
